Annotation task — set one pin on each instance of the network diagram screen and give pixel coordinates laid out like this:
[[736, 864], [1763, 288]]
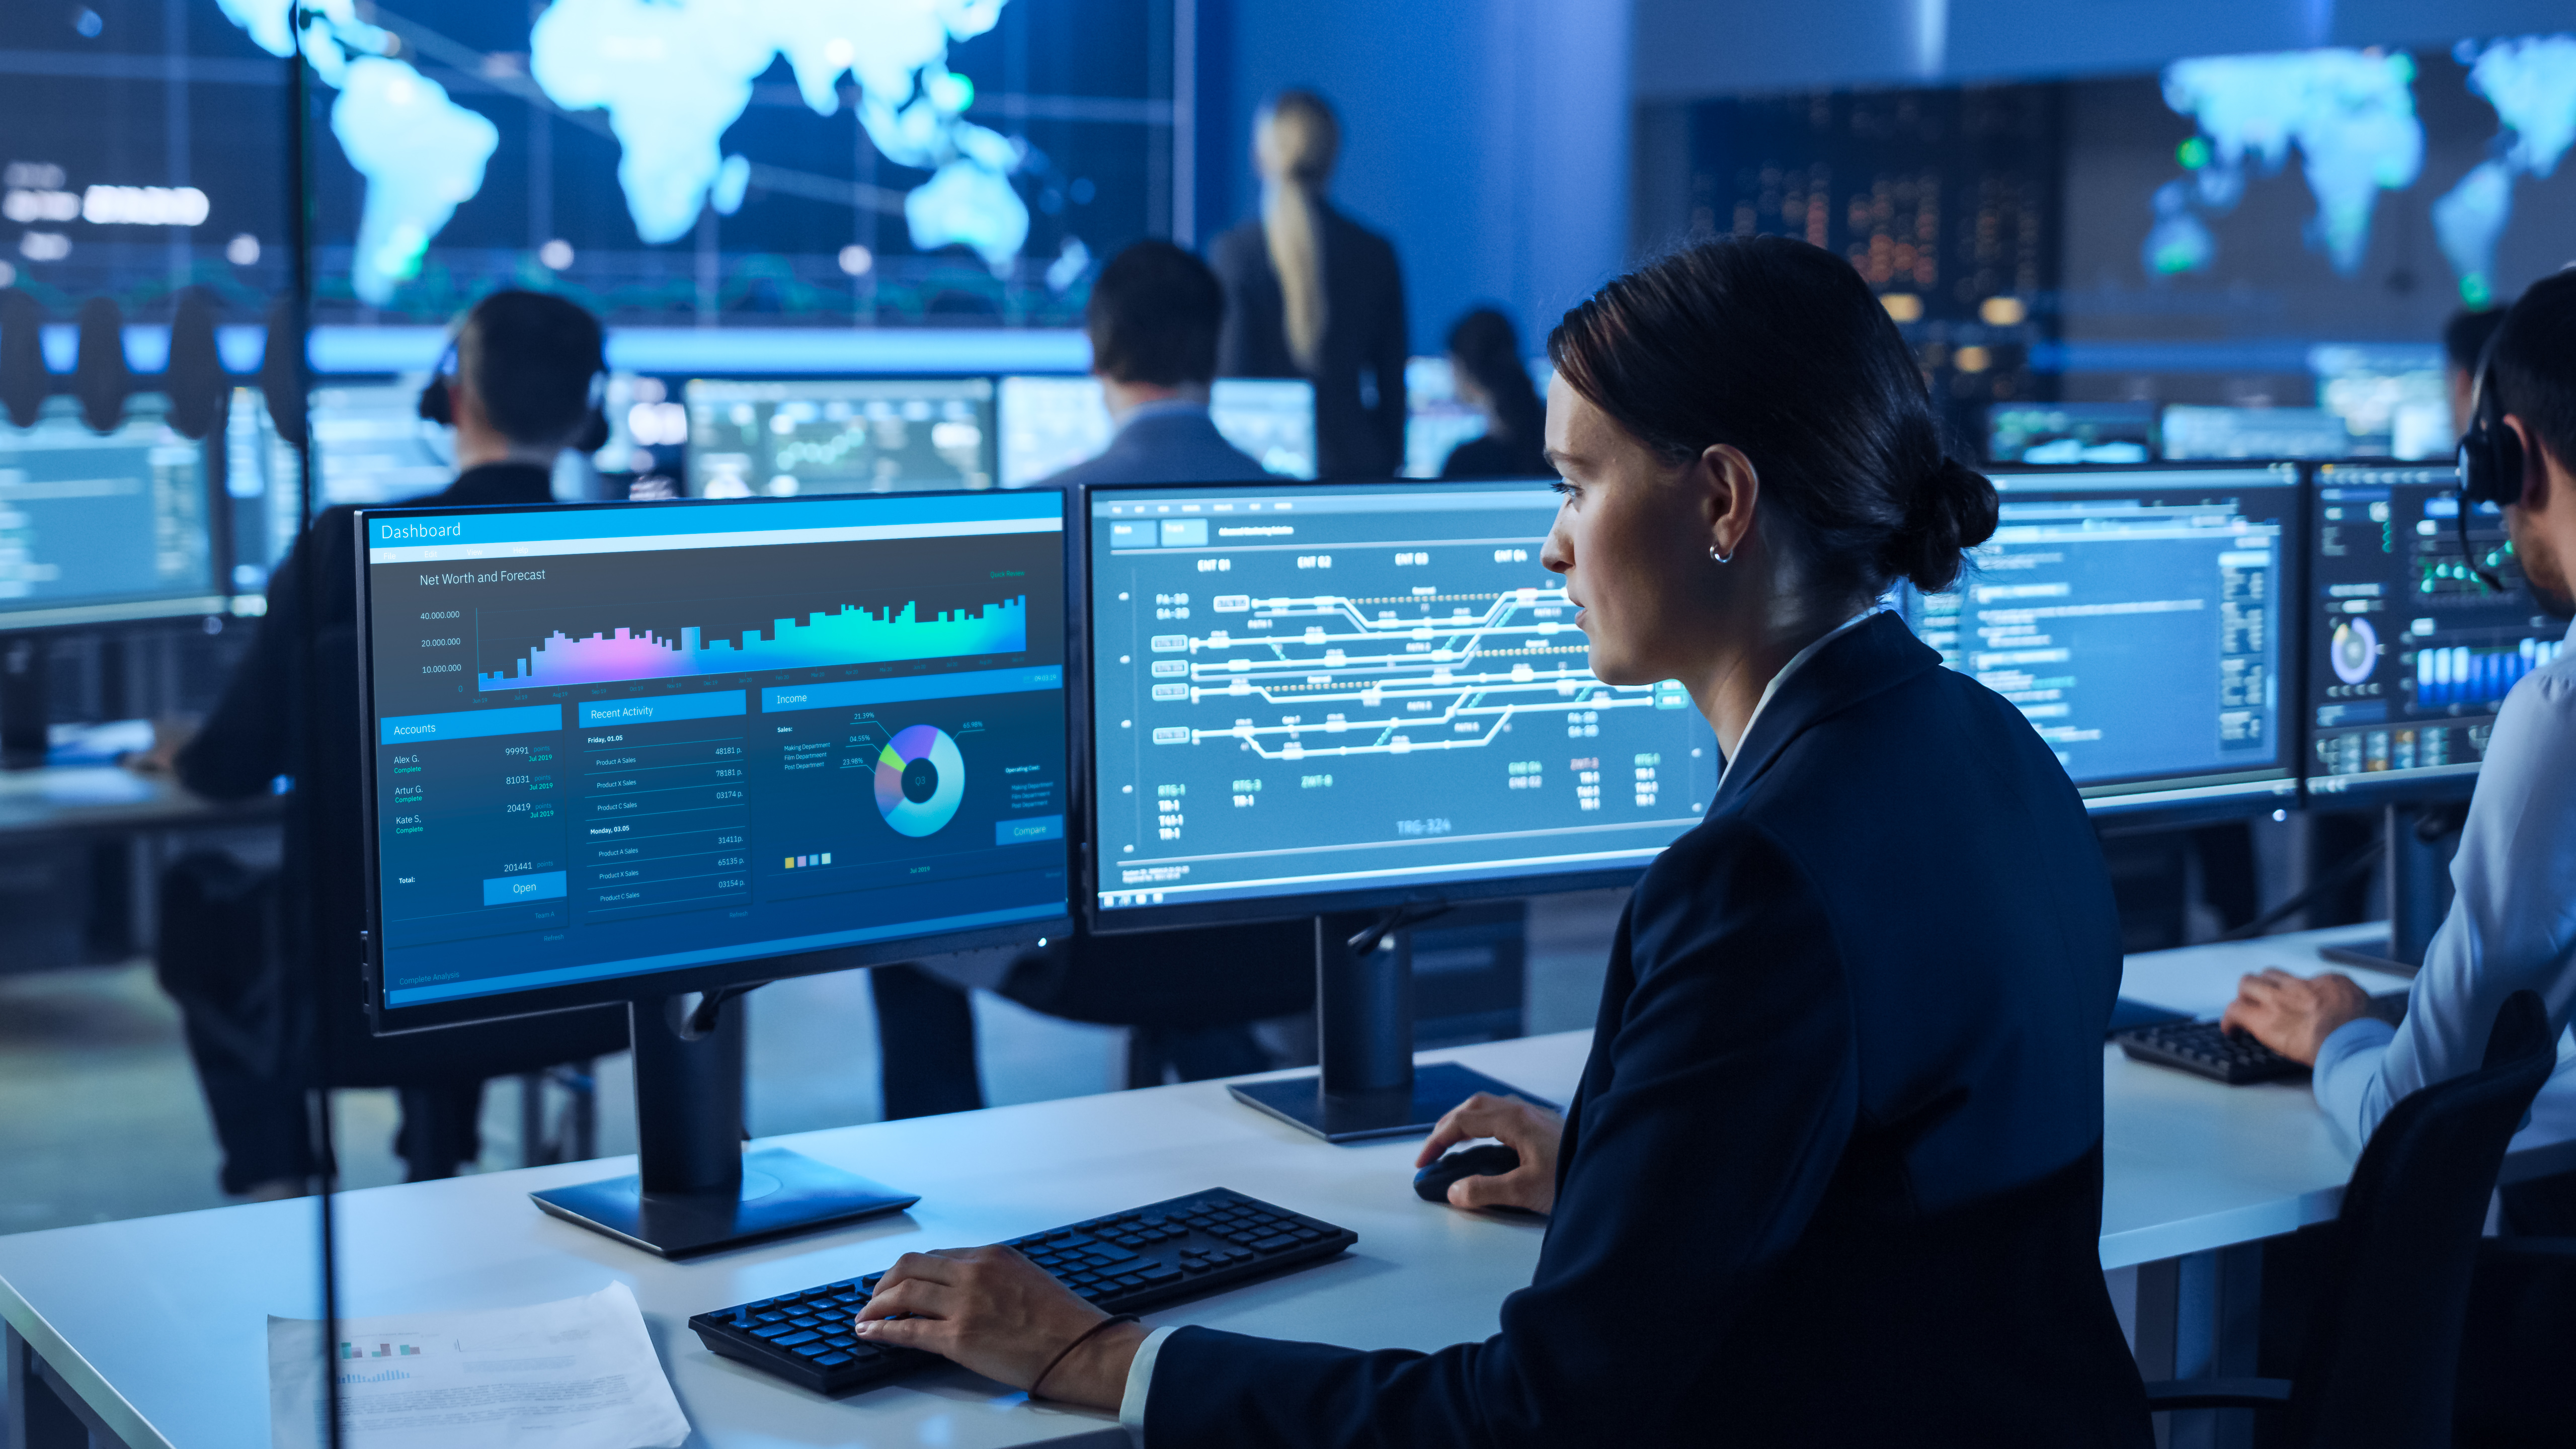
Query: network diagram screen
[[1340, 690], [612, 741], [106, 527], [2409, 652], [1048, 424], [2135, 619], [881, 435]]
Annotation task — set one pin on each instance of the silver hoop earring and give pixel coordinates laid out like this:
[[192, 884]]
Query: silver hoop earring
[[1716, 557]]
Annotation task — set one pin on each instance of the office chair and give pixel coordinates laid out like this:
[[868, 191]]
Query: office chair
[[2380, 1362]]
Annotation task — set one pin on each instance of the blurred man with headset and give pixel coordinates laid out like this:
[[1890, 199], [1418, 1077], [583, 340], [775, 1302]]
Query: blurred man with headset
[[519, 386], [2512, 923]]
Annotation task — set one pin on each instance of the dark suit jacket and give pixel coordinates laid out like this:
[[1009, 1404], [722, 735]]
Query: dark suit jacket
[[1833, 1175], [1363, 332], [1165, 445]]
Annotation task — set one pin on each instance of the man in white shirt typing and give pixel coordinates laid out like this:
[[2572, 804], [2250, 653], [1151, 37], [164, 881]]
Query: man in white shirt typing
[[2512, 923]]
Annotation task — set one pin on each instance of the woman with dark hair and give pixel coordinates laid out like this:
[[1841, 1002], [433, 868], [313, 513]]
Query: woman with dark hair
[[1833, 1172], [1488, 375]]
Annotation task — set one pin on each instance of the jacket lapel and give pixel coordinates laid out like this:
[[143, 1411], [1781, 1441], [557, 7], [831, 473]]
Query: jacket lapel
[[1877, 655]]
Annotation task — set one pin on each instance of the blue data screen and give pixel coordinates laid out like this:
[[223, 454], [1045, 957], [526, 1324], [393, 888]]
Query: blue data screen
[[2135, 618], [2410, 653], [614, 741], [1330, 688]]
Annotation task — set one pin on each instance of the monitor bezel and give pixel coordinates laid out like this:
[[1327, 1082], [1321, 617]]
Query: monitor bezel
[[388, 1020], [2159, 802], [1248, 910], [2368, 791]]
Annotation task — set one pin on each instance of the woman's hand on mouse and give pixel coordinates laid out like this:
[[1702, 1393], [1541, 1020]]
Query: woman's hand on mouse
[[1001, 1315], [1531, 1131]]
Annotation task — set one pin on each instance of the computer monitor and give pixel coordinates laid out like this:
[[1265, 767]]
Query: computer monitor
[[2133, 615], [372, 448], [2229, 434], [1436, 422], [2394, 399], [1048, 424], [868, 435], [2070, 432], [96, 528], [1334, 697], [2409, 653], [623, 752]]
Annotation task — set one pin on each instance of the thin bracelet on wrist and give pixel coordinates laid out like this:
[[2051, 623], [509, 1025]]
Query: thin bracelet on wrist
[[1087, 1335]]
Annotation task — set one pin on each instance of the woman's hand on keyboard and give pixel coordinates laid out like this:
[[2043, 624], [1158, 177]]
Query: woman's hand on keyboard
[[1001, 1315], [1531, 1131]]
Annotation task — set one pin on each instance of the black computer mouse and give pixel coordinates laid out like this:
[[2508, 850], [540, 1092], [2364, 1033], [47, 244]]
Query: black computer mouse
[[1489, 1160]]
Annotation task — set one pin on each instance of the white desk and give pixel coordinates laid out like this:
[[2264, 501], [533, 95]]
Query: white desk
[[157, 1324]]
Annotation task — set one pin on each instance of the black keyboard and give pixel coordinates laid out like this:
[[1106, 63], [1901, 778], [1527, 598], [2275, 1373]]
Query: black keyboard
[[2201, 1048], [1187, 1247]]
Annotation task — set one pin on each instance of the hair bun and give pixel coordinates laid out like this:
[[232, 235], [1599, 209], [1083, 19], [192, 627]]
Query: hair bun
[[1951, 510]]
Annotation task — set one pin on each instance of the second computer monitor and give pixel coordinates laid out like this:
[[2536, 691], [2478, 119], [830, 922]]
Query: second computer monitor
[[96, 527], [1332, 696], [2410, 653], [1049, 424], [868, 435], [2134, 616]]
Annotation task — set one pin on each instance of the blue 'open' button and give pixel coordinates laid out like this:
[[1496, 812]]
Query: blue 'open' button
[[504, 890]]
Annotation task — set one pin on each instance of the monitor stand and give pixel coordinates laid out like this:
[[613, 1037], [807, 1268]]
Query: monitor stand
[[1369, 1086], [2418, 881], [697, 1190]]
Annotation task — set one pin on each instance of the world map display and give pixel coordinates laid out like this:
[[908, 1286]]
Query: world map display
[[671, 77], [2350, 115], [2531, 82]]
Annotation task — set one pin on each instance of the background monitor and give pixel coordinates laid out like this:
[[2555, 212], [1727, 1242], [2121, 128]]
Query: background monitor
[[2394, 398], [1436, 422], [103, 527], [1048, 424], [874, 435], [2133, 615], [2409, 653], [2251, 433], [704, 741], [1349, 694], [372, 448], [2071, 432]]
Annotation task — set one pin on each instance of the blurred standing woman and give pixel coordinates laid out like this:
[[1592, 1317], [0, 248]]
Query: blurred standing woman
[[1489, 376], [1311, 293]]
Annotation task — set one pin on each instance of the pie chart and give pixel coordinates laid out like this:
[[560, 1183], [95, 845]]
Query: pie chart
[[2355, 650], [920, 781]]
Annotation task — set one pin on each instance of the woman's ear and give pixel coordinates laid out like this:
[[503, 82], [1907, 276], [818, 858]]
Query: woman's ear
[[1728, 489]]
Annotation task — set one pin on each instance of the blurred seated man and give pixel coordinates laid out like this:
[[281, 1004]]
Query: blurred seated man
[[519, 395], [1189, 998]]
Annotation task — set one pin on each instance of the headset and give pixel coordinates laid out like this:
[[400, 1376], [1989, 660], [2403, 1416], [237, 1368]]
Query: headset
[[2491, 461], [438, 406]]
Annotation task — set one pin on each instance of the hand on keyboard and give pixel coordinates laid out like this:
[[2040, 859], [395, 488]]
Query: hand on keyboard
[[994, 1311], [2293, 1015], [1531, 1131]]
